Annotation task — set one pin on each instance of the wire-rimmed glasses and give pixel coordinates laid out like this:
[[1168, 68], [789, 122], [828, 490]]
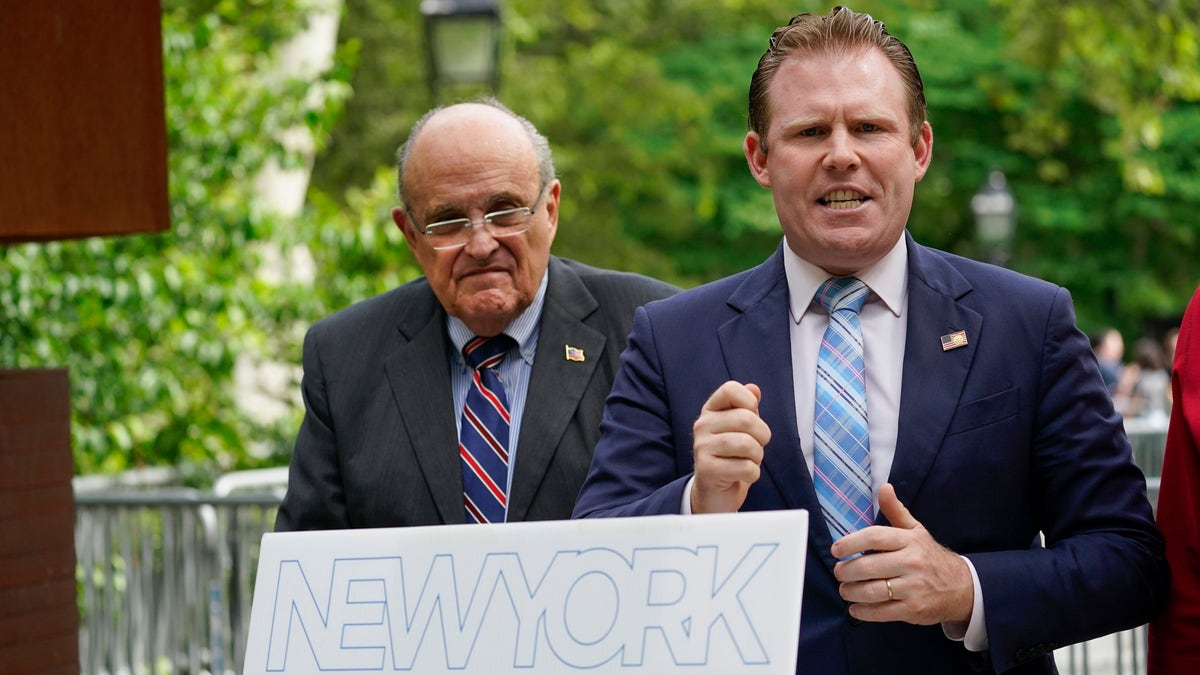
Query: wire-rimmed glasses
[[456, 232]]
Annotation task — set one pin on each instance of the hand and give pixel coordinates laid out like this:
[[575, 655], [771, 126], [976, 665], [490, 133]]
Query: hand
[[727, 447], [929, 583]]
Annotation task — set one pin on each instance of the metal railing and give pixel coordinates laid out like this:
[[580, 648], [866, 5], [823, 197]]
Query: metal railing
[[166, 576], [1121, 653]]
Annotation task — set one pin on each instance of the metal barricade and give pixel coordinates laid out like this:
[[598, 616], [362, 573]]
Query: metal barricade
[[166, 576], [1148, 440], [1123, 653], [165, 579]]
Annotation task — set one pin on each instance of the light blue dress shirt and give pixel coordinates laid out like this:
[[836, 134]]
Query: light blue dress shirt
[[514, 372]]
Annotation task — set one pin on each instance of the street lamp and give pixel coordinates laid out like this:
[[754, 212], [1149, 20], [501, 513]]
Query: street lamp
[[995, 218], [462, 38]]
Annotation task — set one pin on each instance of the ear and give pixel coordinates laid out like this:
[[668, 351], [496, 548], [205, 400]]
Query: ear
[[551, 206], [400, 217], [756, 158], [923, 151]]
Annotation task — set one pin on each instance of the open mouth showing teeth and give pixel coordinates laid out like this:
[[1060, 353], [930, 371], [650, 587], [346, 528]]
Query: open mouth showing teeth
[[843, 199]]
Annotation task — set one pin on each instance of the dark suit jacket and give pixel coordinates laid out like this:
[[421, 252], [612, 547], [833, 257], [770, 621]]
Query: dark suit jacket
[[1008, 436], [378, 446]]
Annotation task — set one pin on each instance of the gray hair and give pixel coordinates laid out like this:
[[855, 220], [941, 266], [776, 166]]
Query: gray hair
[[541, 146]]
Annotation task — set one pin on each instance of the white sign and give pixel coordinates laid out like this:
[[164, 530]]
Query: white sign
[[661, 594]]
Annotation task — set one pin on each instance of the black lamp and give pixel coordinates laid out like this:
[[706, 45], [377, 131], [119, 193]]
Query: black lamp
[[462, 38], [995, 218]]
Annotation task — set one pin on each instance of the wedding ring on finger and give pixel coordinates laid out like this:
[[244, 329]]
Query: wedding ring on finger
[[891, 596]]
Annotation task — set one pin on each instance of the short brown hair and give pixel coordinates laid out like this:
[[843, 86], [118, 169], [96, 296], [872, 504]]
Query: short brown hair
[[842, 30]]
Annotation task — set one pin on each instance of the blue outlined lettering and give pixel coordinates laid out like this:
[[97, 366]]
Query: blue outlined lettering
[[574, 610]]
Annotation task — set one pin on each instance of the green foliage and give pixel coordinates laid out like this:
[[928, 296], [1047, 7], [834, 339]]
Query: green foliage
[[644, 103], [382, 41], [150, 327], [1092, 110], [1104, 131], [359, 252]]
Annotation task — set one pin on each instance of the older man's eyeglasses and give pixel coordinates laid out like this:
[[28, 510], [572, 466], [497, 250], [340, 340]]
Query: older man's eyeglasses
[[455, 233]]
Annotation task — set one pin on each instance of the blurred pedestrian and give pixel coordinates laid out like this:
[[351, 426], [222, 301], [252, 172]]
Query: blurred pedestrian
[[1151, 389], [1109, 348]]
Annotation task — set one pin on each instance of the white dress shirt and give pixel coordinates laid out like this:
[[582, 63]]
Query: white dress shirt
[[884, 321]]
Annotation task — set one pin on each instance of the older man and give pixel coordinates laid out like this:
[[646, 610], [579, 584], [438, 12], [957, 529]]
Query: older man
[[474, 393]]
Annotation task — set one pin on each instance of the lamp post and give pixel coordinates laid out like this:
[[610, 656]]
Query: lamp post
[[995, 218], [462, 40]]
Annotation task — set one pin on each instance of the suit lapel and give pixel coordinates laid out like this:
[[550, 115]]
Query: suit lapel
[[933, 378], [419, 373], [556, 384], [756, 346]]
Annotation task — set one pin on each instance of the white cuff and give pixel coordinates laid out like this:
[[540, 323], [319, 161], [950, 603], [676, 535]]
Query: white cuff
[[974, 638]]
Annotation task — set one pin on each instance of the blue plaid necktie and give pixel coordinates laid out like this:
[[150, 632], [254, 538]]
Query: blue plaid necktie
[[483, 438], [841, 458]]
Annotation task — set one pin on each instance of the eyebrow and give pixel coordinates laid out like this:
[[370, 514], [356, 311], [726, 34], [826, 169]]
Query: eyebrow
[[802, 123], [449, 211], [872, 116]]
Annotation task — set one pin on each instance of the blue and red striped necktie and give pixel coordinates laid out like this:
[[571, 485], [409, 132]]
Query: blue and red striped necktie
[[483, 438]]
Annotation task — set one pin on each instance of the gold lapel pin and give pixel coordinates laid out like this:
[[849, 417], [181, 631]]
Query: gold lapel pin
[[574, 353], [954, 340]]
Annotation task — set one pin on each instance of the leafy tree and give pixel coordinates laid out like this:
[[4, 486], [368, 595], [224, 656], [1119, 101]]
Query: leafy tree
[[150, 327], [1107, 130], [644, 102], [1091, 110]]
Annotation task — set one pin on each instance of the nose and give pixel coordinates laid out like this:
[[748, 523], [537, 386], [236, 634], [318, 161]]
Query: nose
[[842, 152], [480, 243]]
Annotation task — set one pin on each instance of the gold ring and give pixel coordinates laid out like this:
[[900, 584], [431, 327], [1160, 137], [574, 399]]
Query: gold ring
[[889, 587]]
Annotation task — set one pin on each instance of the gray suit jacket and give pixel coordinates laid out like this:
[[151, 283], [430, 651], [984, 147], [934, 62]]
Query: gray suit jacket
[[378, 446]]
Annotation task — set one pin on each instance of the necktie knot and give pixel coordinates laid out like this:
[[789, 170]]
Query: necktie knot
[[842, 293], [483, 352]]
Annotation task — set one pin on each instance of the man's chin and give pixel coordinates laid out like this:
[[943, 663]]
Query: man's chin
[[491, 307]]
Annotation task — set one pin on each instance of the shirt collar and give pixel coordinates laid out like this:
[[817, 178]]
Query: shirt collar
[[887, 278], [523, 329]]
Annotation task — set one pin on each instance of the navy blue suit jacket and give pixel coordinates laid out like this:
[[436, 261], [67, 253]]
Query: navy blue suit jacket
[[1007, 437]]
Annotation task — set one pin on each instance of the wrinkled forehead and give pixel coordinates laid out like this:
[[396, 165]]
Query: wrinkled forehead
[[469, 145]]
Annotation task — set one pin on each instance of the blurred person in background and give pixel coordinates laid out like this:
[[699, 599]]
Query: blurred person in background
[[1151, 397], [1109, 347]]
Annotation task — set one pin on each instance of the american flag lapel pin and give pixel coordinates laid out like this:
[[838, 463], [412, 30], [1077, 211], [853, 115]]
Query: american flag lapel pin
[[574, 353], [954, 340]]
